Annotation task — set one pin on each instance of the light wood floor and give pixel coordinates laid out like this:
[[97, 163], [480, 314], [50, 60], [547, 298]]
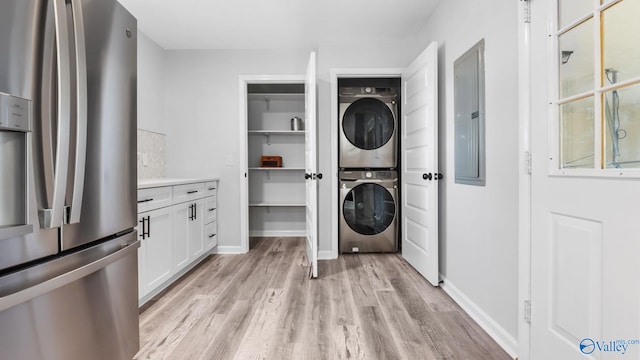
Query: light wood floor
[[263, 306]]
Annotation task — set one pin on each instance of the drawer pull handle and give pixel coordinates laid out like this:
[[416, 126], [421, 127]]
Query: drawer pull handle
[[192, 192], [212, 235], [210, 189], [144, 201], [212, 209]]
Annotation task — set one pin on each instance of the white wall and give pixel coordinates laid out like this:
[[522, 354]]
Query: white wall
[[150, 85], [479, 225], [202, 114]]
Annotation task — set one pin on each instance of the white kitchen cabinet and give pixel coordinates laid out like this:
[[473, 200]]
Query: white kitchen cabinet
[[276, 195], [181, 220], [210, 216], [196, 230], [175, 227], [188, 241], [154, 255]]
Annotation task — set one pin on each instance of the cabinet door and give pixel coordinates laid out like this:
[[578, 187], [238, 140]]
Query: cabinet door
[[181, 220], [154, 254], [196, 238], [158, 248], [142, 260]]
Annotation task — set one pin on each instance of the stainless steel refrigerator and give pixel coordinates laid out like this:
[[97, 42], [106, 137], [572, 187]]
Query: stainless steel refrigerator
[[68, 247]]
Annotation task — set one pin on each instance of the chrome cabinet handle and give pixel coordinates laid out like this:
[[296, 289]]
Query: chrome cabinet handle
[[192, 192], [81, 112]]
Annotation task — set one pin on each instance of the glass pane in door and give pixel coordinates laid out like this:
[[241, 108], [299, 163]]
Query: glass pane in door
[[369, 209], [622, 127], [576, 134], [570, 11], [576, 60], [621, 36], [368, 123]]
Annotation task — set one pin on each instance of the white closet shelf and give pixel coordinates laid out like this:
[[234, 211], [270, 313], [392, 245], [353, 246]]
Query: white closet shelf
[[276, 205], [276, 132], [277, 168], [276, 96]]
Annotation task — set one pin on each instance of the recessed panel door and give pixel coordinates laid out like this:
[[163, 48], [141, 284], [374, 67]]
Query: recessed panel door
[[311, 167], [420, 174]]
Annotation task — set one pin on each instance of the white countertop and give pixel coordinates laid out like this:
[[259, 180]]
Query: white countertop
[[151, 183]]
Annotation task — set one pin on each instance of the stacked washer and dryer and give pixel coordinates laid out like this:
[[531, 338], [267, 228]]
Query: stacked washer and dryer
[[368, 176]]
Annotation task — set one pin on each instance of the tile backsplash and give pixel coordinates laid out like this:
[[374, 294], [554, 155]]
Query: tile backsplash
[[151, 155]]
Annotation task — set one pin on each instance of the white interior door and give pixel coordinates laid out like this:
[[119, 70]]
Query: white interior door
[[311, 168], [420, 174], [585, 298]]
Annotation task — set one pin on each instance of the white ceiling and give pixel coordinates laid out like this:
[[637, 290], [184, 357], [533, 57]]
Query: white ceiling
[[262, 24]]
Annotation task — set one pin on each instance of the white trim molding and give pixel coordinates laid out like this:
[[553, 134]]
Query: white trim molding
[[486, 322]]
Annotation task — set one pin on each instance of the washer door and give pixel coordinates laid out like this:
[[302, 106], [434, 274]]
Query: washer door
[[368, 123], [369, 209]]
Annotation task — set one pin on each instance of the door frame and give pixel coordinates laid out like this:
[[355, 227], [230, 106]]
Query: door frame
[[524, 180], [336, 73], [243, 142]]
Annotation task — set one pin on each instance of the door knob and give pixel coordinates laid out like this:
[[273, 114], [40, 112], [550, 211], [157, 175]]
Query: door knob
[[432, 176], [320, 176], [307, 176]]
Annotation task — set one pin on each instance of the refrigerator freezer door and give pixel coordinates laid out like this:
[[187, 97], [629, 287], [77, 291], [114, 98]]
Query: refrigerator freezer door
[[109, 200], [77, 307]]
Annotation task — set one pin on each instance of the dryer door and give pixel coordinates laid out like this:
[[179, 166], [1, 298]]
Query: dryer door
[[369, 209], [368, 124]]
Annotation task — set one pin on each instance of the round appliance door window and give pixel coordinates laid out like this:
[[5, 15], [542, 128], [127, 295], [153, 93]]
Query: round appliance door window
[[369, 209], [368, 123]]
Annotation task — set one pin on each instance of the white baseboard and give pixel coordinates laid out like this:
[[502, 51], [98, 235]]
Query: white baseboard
[[497, 332], [277, 233], [326, 255], [228, 250]]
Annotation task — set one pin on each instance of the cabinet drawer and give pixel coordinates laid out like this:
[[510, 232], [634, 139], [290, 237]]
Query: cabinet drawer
[[211, 235], [188, 192], [154, 198], [210, 188], [210, 209]]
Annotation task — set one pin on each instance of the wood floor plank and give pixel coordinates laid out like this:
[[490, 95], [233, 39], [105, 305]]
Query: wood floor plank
[[262, 305], [404, 329], [256, 341], [377, 337]]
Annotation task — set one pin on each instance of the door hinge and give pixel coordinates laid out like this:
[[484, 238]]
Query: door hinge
[[527, 162], [527, 311], [526, 15]]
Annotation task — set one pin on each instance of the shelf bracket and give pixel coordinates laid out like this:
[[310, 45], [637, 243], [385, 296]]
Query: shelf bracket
[[268, 101], [268, 174], [268, 138]]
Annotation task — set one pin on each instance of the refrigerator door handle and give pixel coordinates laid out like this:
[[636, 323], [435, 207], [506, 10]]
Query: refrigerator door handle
[[53, 217], [31, 291], [81, 111]]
